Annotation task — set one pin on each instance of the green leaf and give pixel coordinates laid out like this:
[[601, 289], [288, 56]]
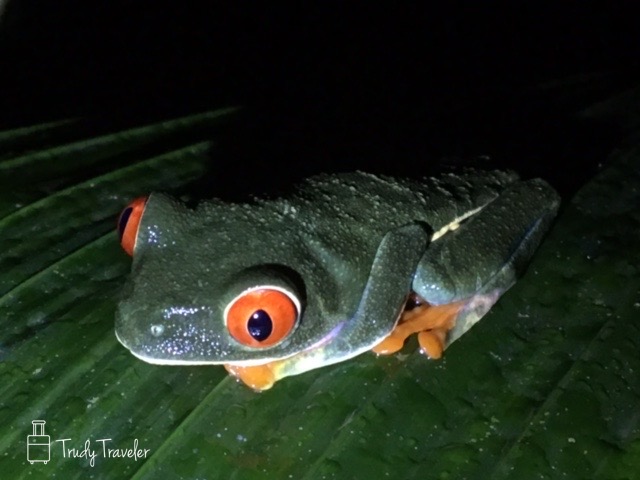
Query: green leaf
[[546, 386]]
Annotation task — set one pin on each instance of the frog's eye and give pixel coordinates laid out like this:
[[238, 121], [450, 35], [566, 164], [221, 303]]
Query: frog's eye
[[129, 222], [262, 316]]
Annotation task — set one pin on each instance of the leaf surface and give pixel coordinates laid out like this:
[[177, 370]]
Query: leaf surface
[[546, 386]]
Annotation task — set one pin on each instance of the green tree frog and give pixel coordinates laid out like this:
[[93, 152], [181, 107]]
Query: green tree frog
[[346, 264]]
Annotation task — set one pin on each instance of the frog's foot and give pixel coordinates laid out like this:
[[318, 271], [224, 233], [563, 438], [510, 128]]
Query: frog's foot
[[258, 377], [432, 342], [431, 322]]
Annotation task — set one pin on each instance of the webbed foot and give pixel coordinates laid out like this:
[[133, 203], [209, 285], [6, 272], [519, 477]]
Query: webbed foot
[[430, 322]]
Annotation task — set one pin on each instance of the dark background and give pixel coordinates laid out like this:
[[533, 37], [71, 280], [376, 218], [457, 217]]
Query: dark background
[[334, 86]]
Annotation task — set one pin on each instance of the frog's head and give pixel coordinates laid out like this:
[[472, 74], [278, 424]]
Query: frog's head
[[227, 283]]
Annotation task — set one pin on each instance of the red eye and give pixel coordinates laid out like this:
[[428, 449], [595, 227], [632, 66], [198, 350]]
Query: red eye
[[261, 317], [129, 222]]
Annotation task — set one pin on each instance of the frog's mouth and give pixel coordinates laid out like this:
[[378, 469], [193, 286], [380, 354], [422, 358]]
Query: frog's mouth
[[176, 345]]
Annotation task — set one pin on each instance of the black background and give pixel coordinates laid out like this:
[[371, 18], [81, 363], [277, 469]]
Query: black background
[[334, 86]]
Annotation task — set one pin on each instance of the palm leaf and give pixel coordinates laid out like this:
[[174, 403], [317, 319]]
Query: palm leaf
[[546, 386]]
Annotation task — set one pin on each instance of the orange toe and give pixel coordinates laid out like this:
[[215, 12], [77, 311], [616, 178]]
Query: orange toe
[[389, 345], [432, 342], [258, 377]]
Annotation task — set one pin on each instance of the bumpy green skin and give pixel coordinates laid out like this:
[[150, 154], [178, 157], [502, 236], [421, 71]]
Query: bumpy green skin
[[351, 246]]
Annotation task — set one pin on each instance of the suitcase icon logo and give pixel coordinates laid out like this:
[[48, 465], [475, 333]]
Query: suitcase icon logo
[[38, 444]]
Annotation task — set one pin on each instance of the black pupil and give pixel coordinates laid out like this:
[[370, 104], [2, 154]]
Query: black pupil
[[260, 325], [124, 218]]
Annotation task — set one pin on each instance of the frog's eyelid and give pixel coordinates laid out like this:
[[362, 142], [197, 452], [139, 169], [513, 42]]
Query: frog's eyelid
[[287, 292]]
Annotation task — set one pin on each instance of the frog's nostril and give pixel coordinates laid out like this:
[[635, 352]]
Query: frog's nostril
[[156, 330]]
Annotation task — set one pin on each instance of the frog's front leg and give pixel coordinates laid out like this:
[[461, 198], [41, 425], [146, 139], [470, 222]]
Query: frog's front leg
[[464, 272]]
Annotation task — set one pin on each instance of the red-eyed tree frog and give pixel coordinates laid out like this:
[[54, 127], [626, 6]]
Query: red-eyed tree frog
[[346, 264]]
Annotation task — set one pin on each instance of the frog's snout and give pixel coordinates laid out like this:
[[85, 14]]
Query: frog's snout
[[123, 333], [140, 337], [170, 336]]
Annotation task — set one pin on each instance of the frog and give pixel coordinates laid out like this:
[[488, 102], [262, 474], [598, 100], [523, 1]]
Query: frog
[[343, 264]]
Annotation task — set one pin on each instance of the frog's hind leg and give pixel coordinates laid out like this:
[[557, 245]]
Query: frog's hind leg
[[465, 271], [430, 322]]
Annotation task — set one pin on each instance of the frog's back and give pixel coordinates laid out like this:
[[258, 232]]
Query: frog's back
[[376, 204]]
